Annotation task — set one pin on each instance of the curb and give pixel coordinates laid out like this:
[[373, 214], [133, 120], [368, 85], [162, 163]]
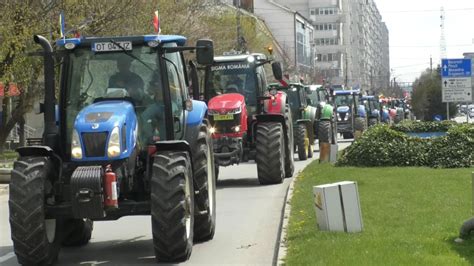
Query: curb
[[5, 175], [282, 245]]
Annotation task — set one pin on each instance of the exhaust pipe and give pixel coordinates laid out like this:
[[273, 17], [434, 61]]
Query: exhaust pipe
[[50, 128]]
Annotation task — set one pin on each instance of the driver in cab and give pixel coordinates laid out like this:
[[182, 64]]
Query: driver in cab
[[129, 80]]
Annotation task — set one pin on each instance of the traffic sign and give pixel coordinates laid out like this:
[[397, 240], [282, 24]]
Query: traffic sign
[[456, 68], [457, 89], [456, 81]]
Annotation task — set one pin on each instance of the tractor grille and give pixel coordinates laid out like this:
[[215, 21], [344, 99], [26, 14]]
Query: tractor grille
[[225, 126], [94, 143]]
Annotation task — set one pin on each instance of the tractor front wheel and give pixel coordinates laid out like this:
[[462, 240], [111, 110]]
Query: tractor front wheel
[[289, 151], [205, 187], [302, 142], [172, 206], [270, 154], [80, 232], [36, 240]]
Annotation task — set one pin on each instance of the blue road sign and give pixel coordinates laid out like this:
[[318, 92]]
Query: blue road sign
[[451, 68]]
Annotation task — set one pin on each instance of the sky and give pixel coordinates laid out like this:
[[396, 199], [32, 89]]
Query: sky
[[414, 32]]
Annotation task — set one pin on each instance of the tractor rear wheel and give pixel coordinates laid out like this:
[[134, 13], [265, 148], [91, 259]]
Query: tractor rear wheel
[[289, 151], [205, 187], [36, 240], [373, 122], [270, 154], [360, 124], [302, 142], [172, 206], [325, 131], [80, 232]]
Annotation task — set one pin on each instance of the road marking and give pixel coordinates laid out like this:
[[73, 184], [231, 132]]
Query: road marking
[[7, 257]]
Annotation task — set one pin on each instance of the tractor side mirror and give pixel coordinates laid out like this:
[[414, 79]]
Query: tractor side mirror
[[194, 80], [205, 52], [277, 72]]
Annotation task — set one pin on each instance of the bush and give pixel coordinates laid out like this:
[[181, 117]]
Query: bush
[[384, 146], [420, 127]]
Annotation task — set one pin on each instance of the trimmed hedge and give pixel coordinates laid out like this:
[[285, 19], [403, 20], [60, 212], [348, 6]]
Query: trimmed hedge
[[384, 146], [421, 127]]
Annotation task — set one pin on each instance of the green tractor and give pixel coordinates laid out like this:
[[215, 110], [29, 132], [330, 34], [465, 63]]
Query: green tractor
[[303, 117], [325, 122]]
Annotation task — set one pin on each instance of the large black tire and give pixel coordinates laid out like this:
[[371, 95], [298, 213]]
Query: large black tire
[[80, 232], [289, 151], [270, 154], [172, 206], [360, 124], [373, 122], [302, 142], [204, 187], [347, 135], [36, 241], [325, 131]]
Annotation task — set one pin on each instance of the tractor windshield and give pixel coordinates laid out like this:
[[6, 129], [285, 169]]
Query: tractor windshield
[[92, 76], [343, 100], [233, 77]]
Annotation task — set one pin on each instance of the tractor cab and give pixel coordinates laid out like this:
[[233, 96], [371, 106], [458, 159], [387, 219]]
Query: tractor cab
[[115, 88], [372, 107], [351, 115]]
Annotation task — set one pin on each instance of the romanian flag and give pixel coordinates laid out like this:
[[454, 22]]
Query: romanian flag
[[61, 25], [156, 22]]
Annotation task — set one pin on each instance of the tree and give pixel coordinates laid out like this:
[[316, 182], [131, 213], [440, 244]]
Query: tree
[[427, 96], [21, 19]]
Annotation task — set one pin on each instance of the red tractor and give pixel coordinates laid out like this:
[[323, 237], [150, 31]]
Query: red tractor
[[247, 122]]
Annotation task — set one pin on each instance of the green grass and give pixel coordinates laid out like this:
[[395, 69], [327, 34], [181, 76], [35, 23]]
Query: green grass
[[411, 217]]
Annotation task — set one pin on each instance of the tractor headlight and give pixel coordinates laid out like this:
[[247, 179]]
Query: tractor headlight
[[76, 149], [113, 147], [235, 110], [212, 130], [237, 129]]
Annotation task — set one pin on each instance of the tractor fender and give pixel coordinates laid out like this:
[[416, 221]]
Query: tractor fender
[[361, 111], [309, 113], [196, 116], [173, 145], [327, 112], [35, 151], [375, 113], [276, 105]]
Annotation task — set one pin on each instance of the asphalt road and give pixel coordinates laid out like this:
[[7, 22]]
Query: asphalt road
[[248, 224]]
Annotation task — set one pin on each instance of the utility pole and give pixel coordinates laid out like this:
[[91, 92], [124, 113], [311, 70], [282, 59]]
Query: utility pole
[[431, 64], [240, 38]]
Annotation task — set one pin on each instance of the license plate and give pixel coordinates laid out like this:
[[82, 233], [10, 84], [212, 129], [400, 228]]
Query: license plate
[[223, 117], [111, 47]]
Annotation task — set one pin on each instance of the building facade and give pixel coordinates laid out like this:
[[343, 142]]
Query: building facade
[[350, 39], [294, 33]]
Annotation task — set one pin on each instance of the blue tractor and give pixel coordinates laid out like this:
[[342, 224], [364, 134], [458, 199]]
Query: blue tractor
[[126, 140], [351, 114]]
